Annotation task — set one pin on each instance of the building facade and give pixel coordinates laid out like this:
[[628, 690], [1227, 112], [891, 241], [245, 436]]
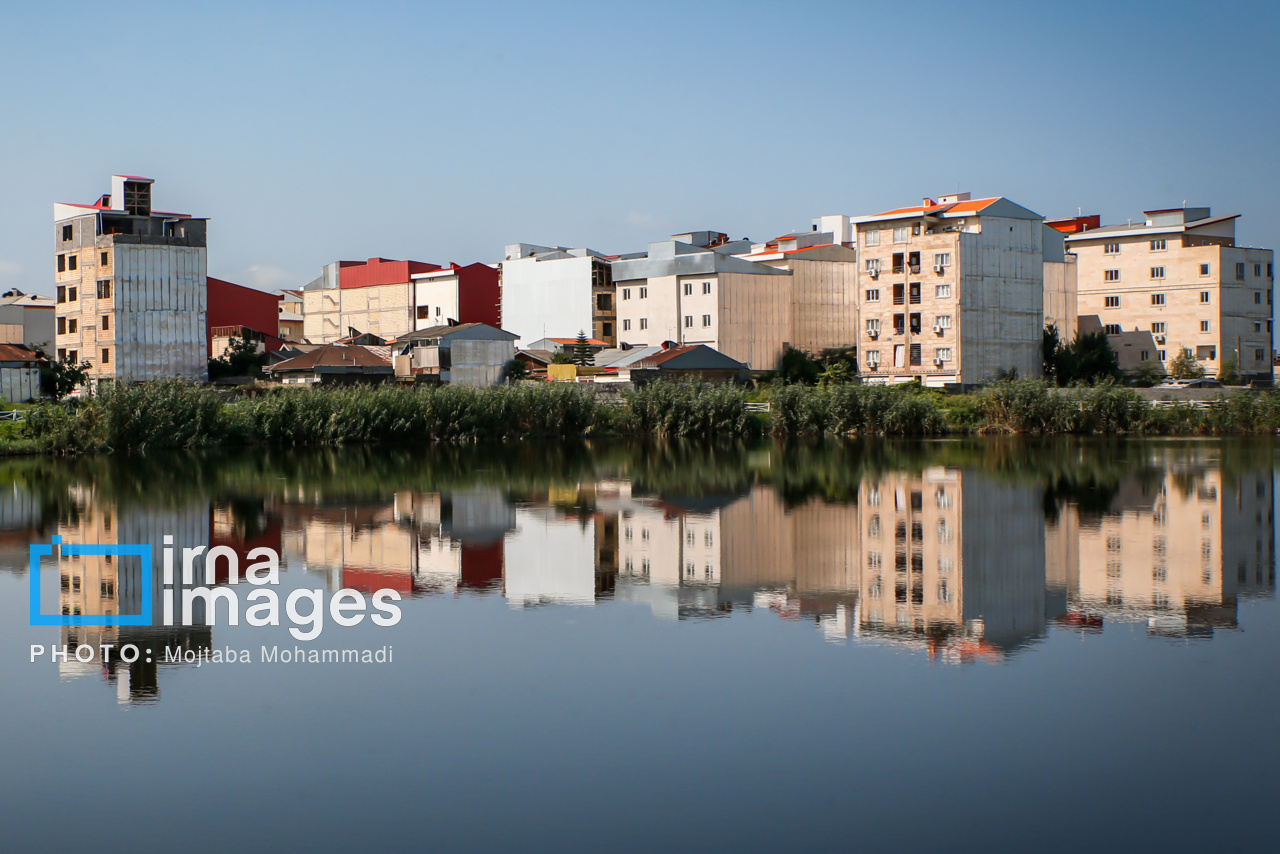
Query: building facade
[[1176, 281], [131, 287], [557, 291], [951, 291], [29, 320]]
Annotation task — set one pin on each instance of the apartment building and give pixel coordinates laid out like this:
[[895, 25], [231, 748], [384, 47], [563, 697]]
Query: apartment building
[[952, 291], [1173, 281], [131, 286], [692, 289], [550, 291], [391, 298]]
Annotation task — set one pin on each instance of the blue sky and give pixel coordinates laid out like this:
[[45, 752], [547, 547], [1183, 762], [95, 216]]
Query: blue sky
[[309, 132]]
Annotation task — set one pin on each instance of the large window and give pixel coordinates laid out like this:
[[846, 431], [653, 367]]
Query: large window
[[873, 295], [104, 289], [900, 234], [1111, 329], [942, 291], [871, 238]]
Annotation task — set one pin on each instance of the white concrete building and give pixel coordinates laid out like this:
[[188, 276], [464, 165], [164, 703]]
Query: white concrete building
[[554, 291]]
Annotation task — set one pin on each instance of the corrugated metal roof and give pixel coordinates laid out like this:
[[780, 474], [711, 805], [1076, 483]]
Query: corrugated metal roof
[[18, 353], [335, 356]]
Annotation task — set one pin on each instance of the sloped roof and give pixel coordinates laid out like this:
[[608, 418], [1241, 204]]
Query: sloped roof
[[334, 356], [446, 331], [18, 353], [690, 357]]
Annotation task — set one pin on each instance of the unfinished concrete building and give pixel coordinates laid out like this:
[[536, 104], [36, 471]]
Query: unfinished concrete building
[[131, 286], [550, 291]]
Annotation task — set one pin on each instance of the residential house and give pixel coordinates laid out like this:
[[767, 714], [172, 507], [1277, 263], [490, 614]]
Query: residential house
[[468, 354], [555, 290], [131, 286], [27, 319], [952, 291], [692, 289], [1178, 279], [333, 364], [390, 298], [687, 361], [290, 320]]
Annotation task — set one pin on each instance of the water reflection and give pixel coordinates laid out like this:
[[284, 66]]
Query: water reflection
[[966, 552]]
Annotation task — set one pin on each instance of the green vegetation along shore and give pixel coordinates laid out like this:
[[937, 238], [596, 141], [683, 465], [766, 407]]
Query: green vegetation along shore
[[171, 414]]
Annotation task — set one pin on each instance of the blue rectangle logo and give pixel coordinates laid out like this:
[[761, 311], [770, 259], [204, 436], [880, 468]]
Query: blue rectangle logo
[[39, 550]]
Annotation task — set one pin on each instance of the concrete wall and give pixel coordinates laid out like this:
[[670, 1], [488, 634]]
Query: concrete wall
[[477, 363], [1001, 299], [160, 307], [1061, 300], [550, 298], [18, 385]]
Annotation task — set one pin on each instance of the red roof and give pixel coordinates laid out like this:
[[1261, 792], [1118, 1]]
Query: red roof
[[787, 251], [666, 355], [594, 342], [380, 271], [333, 356], [18, 353], [970, 206]]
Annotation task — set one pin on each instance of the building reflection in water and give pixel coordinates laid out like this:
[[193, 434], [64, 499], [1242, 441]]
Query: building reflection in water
[[959, 563]]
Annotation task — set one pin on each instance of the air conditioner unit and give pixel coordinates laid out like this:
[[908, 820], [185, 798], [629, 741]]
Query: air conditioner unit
[[873, 272], [939, 268], [937, 328], [1159, 339], [874, 333]]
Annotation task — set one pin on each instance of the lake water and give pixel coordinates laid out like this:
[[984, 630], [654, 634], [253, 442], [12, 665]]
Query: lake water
[[997, 646]]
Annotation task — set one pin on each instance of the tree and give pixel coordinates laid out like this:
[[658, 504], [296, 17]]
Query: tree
[[1229, 373], [561, 359], [1185, 366], [516, 369], [1050, 343], [1148, 374], [582, 355], [1087, 359], [241, 359], [61, 378], [797, 366]]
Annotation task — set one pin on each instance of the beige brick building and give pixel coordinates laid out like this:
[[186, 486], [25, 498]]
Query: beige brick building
[[951, 291], [1177, 280], [131, 287]]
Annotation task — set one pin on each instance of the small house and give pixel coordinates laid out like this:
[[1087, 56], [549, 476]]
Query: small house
[[692, 361], [468, 354], [333, 364]]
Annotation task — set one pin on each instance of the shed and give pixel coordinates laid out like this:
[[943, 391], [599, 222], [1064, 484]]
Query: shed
[[20, 373], [469, 354]]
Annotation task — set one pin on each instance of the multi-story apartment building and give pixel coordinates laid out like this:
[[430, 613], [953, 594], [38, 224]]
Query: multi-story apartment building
[[692, 289], [391, 298], [952, 291], [1177, 281], [131, 286], [554, 291]]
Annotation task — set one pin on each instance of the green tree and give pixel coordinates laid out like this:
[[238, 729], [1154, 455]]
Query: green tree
[[1229, 374], [1148, 374], [561, 359], [1088, 359], [1185, 366], [241, 359], [799, 367], [516, 369], [1050, 343], [582, 355], [59, 379]]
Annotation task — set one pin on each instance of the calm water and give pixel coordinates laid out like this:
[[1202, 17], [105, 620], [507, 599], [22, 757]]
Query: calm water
[[973, 646]]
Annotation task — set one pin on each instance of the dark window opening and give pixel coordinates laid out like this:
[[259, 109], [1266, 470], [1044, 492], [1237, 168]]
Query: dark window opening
[[72, 262], [913, 261], [104, 262], [137, 198], [104, 289], [106, 356], [424, 312], [897, 262], [606, 329], [68, 232], [915, 293], [604, 302], [915, 354], [897, 294], [106, 323], [62, 263], [915, 326], [62, 326], [72, 295], [899, 324], [62, 293]]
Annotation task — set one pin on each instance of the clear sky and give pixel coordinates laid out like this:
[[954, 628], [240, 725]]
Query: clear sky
[[310, 132]]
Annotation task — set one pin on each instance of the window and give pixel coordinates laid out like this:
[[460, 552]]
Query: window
[[62, 263], [438, 311], [106, 323], [62, 293], [942, 291], [1160, 354], [1157, 272], [1204, 269], [644, 323], [62, 354], [1112, 302], [626, 324], [688, 321], [424, 312], [913, 262], [941, 260], [1111, 329], [1239, 269], [104, 261], [62, 326], [706, 287], [898, 260], [873, 266], [626, 293], [72, 325], [915, 229], [706, 320], [900, 234], [871, 238], [943, 321], [68, 232], [104, 289], [73, 261], [688, 289], [1204, 297], [72, 295], [1159, 245], [106, 356], [1111, 249], [944, 354], [1204, 326], [897, 295], [73, 356], [1111, 275], [644, 293], [915, 323], [1257, 269], [606, 329], [899, 324], [873, 325], [873, 295], [914, 295], [604, 302], [1257, 297], [1157, 299], [915, 354], [1146, 354], [873, 359], [1257, 355], [1157, 328]]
